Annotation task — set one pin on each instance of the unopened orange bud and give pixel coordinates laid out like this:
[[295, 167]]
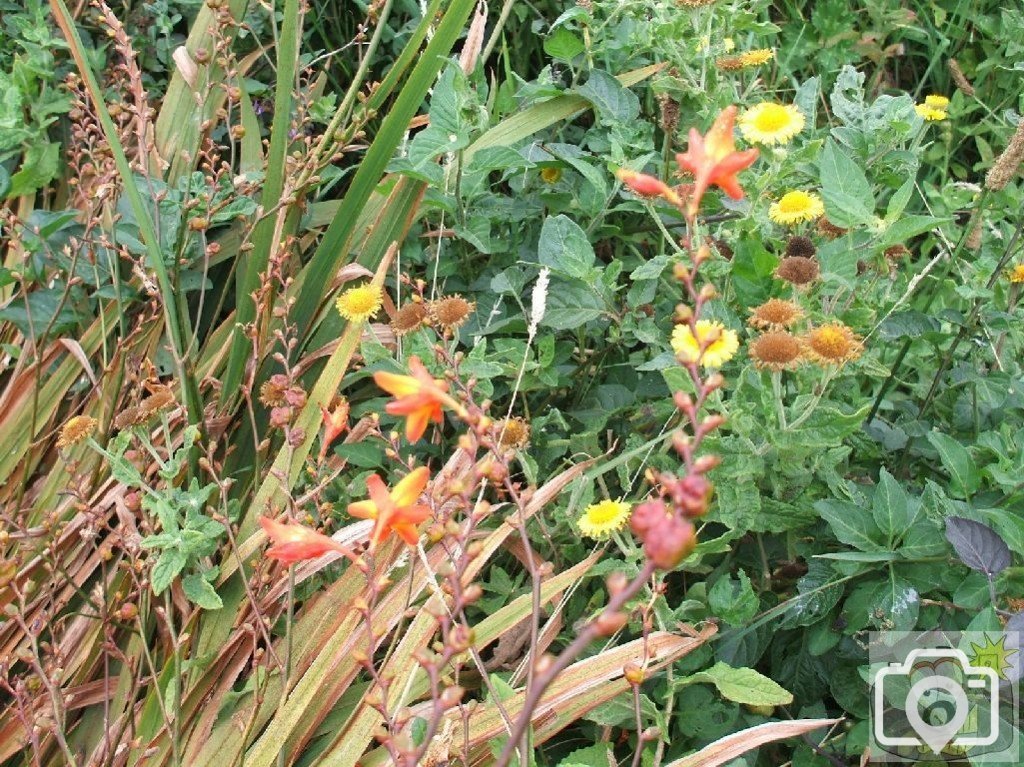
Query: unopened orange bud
[[608, 623], [634, 674]]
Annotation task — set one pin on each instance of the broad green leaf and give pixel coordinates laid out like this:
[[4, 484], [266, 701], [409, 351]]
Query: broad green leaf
[[733, 600], [890, 507], [845, 189], [958, 462], [611, 99], [563, 44], [851, 524], [741, 685], [565, 248]]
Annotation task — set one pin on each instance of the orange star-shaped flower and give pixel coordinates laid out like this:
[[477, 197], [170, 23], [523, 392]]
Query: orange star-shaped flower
[[418, 397], [335, 423], [714, 161], [297, 543], [396, 511]]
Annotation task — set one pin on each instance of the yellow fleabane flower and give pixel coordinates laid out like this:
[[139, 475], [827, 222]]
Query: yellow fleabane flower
[[361, 303], [600, 519], [796, 207], [770, 123], [930, 114], [1016, 274], [720, 343]]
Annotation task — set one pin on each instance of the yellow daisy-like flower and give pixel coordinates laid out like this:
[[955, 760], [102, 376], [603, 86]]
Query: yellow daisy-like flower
[[796, 207], [551, 175], [832, 344], [1016, 274], [775, 314], [361, 303], [930, 114], [720, 343], [939, 102], [770, 123], [600, 519], [75, 430], [757, 57]]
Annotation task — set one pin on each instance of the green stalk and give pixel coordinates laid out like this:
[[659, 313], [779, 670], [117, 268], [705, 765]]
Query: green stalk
[[333, 249], [154, 254], [270, 227]]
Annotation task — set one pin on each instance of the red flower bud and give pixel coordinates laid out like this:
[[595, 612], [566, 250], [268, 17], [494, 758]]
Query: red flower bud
[[669, 543]]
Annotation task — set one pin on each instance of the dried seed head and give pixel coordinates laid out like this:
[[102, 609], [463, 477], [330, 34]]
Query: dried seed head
[[272, 392], [897, 252], [775, 314], [832, 344], [669, 113], [130, 416], [959, 77], [801, 247], [776, 350], [409, 318], [1006, 165], [798, 270], [451, 311], [513, 433], [830, 230]]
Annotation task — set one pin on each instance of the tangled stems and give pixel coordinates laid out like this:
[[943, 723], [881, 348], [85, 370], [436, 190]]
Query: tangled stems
[[547, 669]]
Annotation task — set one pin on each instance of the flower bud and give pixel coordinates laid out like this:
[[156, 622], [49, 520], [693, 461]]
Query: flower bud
[[634, 674], [607, 623], [451, 696], [669, 543]]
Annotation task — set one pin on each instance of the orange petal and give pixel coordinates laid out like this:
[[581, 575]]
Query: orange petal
[[397, 385], [409, 489], [407, 533], [416, 423], [363, 509], [412, 515]]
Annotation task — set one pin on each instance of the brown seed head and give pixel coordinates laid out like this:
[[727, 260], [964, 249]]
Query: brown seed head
[[775, 314], [800, 247], [830, 230], [798, 270], [776, 350], [409, 318], [513, 433], [832, 344], [451, 311]]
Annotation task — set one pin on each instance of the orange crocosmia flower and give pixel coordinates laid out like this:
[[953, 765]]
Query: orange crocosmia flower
[[418, 397], [335, 424], [649, 186], [297, 543], [396, 511], [714, 161]]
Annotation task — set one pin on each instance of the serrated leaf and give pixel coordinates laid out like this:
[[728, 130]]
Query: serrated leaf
[[741, 685], [170, 563], [978, 546], [199, 591]]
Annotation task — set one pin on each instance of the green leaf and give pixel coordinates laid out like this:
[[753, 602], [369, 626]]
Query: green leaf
[[612, 101], [199, 591], [958, 462], [563, 44], [565, 248], [890, 507], [37, 170], [741, 685], [170, 563], [597, 755], [851, 524], [902, 229], [846, 190], [733, 600]]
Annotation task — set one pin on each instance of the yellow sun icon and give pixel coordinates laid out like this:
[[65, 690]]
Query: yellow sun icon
[[994, 655]]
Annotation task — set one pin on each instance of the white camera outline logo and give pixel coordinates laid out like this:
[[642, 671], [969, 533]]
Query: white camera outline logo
[[905, 669]]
